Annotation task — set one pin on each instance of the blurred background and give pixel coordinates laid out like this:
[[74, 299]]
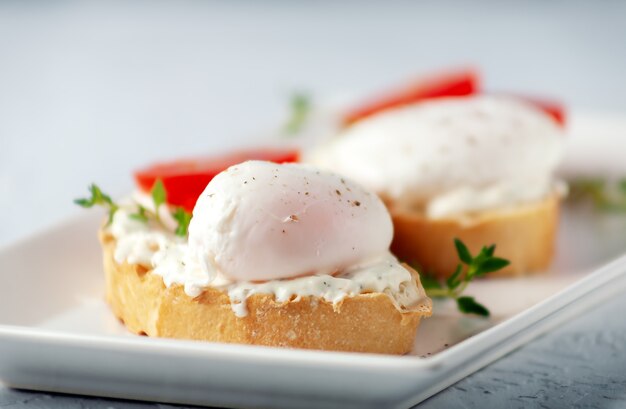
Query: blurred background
[[90, 91]]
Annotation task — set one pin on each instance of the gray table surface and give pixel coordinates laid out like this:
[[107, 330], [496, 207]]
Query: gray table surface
[[89, 91]]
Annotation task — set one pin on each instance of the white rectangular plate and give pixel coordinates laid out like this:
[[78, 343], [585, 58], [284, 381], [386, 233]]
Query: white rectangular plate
[[56, 332]]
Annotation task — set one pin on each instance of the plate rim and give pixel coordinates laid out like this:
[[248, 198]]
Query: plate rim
[[591, 282]]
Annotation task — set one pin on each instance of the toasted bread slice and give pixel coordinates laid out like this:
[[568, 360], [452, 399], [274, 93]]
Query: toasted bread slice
[[525, 235], [364, 323]]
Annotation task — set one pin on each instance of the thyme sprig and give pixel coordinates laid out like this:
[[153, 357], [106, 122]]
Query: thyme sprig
[[468, 268], [98, 198], [143, 214], [605, 195], [300, 105]]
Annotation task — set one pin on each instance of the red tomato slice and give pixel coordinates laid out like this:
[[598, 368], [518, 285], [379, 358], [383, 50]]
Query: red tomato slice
[[552, 108], [444, 84], [185, 179]]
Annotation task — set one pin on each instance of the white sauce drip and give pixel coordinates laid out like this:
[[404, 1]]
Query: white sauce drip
[[169, 256]]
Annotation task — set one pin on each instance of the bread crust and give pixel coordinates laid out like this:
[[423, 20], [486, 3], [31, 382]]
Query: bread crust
[[525, 235], [364, 323]]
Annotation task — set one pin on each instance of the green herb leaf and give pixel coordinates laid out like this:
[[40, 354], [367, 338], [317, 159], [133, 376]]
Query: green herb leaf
[[83, 202], [98, 198], [469, 305], [159, 195], [453, 281], [492, 264], [475, 266], [455, 285], [464, 255], [183, 218], [430, 283], [112, 209], [144, 215], [622, 185], [300, 104], [141, 215], [605, 195]]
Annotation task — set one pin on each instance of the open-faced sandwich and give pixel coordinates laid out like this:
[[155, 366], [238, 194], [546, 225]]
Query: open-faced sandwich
[[276, 254], [451, 163]]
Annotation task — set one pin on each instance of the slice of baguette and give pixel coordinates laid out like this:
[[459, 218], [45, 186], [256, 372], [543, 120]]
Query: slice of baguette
[[525, 235], [364, 323]]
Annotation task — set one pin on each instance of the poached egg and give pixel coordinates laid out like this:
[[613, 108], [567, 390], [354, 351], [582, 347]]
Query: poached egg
[[452, 155], [260, 221]]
